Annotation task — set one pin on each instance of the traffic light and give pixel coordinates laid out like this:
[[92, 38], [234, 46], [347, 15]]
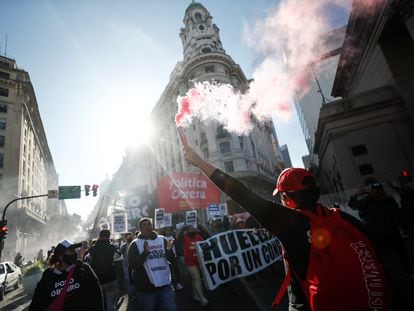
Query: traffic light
[[405, 176], [3, 232], [95, 190], [87, 189]]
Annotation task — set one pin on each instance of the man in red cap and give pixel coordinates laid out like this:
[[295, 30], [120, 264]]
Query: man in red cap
[[316, 282]]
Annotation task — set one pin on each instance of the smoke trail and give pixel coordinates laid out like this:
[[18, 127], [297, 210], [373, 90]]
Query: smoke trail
[[288, 40]]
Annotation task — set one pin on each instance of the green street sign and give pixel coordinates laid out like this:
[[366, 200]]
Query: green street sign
[[69, 192]]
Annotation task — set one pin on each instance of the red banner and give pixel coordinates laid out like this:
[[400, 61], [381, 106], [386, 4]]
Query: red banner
[[182, 191]]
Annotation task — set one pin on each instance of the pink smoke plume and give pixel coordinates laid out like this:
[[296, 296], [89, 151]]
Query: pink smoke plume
[[288, 40]]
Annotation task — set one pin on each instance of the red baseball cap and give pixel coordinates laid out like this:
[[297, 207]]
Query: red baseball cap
[[291, 179]]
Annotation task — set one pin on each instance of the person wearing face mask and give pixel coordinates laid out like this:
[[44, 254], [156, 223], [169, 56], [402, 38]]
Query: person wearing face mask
[[65, 271], [324, 249]]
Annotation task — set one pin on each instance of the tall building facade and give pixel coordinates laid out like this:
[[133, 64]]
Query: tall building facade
[[254, 158], [26, 164], [322, 72], [286, 155], [369, 133]]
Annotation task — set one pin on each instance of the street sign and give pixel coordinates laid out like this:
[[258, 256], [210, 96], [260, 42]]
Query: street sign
[[69, 192]]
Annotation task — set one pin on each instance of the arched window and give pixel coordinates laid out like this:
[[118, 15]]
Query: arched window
[[198, 17]]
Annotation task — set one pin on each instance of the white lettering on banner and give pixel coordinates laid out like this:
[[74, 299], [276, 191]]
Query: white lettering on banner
[[188, 182], [233, 254], [179, 194]]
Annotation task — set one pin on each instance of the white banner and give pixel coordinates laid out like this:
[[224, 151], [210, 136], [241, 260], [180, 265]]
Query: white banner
[[119, 223], [159, 218], [237, 253]]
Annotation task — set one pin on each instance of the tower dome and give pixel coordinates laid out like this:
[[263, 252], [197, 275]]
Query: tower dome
[[200, 35]]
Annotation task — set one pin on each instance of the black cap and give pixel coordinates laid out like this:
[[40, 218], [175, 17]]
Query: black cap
[[64, 245]]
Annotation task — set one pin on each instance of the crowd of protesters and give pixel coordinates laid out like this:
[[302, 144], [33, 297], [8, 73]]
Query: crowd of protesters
[[150, 265]]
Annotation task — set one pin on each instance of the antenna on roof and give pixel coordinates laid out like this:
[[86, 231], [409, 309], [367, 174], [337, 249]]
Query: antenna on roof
[[319, 86], [5, 47]]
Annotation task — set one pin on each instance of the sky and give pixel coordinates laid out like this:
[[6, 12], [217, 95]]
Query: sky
[[98, 67]]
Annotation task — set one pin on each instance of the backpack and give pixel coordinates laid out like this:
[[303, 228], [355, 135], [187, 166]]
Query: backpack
[[343, 271], [102, 262]]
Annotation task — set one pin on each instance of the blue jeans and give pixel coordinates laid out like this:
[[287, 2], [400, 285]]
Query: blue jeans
[[129, 287], [161, 299]]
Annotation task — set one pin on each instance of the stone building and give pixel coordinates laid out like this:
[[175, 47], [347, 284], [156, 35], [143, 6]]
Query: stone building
[[254, 158], [370, 131], [26, 164]]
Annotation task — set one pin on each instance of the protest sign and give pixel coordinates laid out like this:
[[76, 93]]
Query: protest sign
[[179, 225], [234, 254], [167, 220], [159, 218], [119, 223], [213, 210], [191, 218], [223, 209]]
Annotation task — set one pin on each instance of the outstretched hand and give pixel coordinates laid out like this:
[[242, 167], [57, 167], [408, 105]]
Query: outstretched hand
[[193, 158]]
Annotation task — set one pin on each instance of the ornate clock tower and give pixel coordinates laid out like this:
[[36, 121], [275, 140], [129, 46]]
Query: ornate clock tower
[[200, 35]]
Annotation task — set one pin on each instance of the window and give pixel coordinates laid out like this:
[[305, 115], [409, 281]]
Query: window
[[198, 17], [228, 166], [2, 140], [3, 107], [366, 169], [224, 147], [206, 153], [1, 160], [203, 137], [4, 64], [209, 69], [4, 92], [201, 27], [241, 141], [359, 150], [2, 123], [4, 75], [207, 50], [221, 132]]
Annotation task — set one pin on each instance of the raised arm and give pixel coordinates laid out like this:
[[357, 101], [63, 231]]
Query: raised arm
[[192, 157]]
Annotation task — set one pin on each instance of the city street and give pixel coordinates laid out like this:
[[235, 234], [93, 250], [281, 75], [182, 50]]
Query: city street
[[237, 294]]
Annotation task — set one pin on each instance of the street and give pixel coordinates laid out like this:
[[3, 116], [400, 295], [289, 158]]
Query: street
[[237, 294]]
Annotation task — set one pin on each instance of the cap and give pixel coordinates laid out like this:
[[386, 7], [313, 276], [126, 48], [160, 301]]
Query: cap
[[64, 245], [291, 179]]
